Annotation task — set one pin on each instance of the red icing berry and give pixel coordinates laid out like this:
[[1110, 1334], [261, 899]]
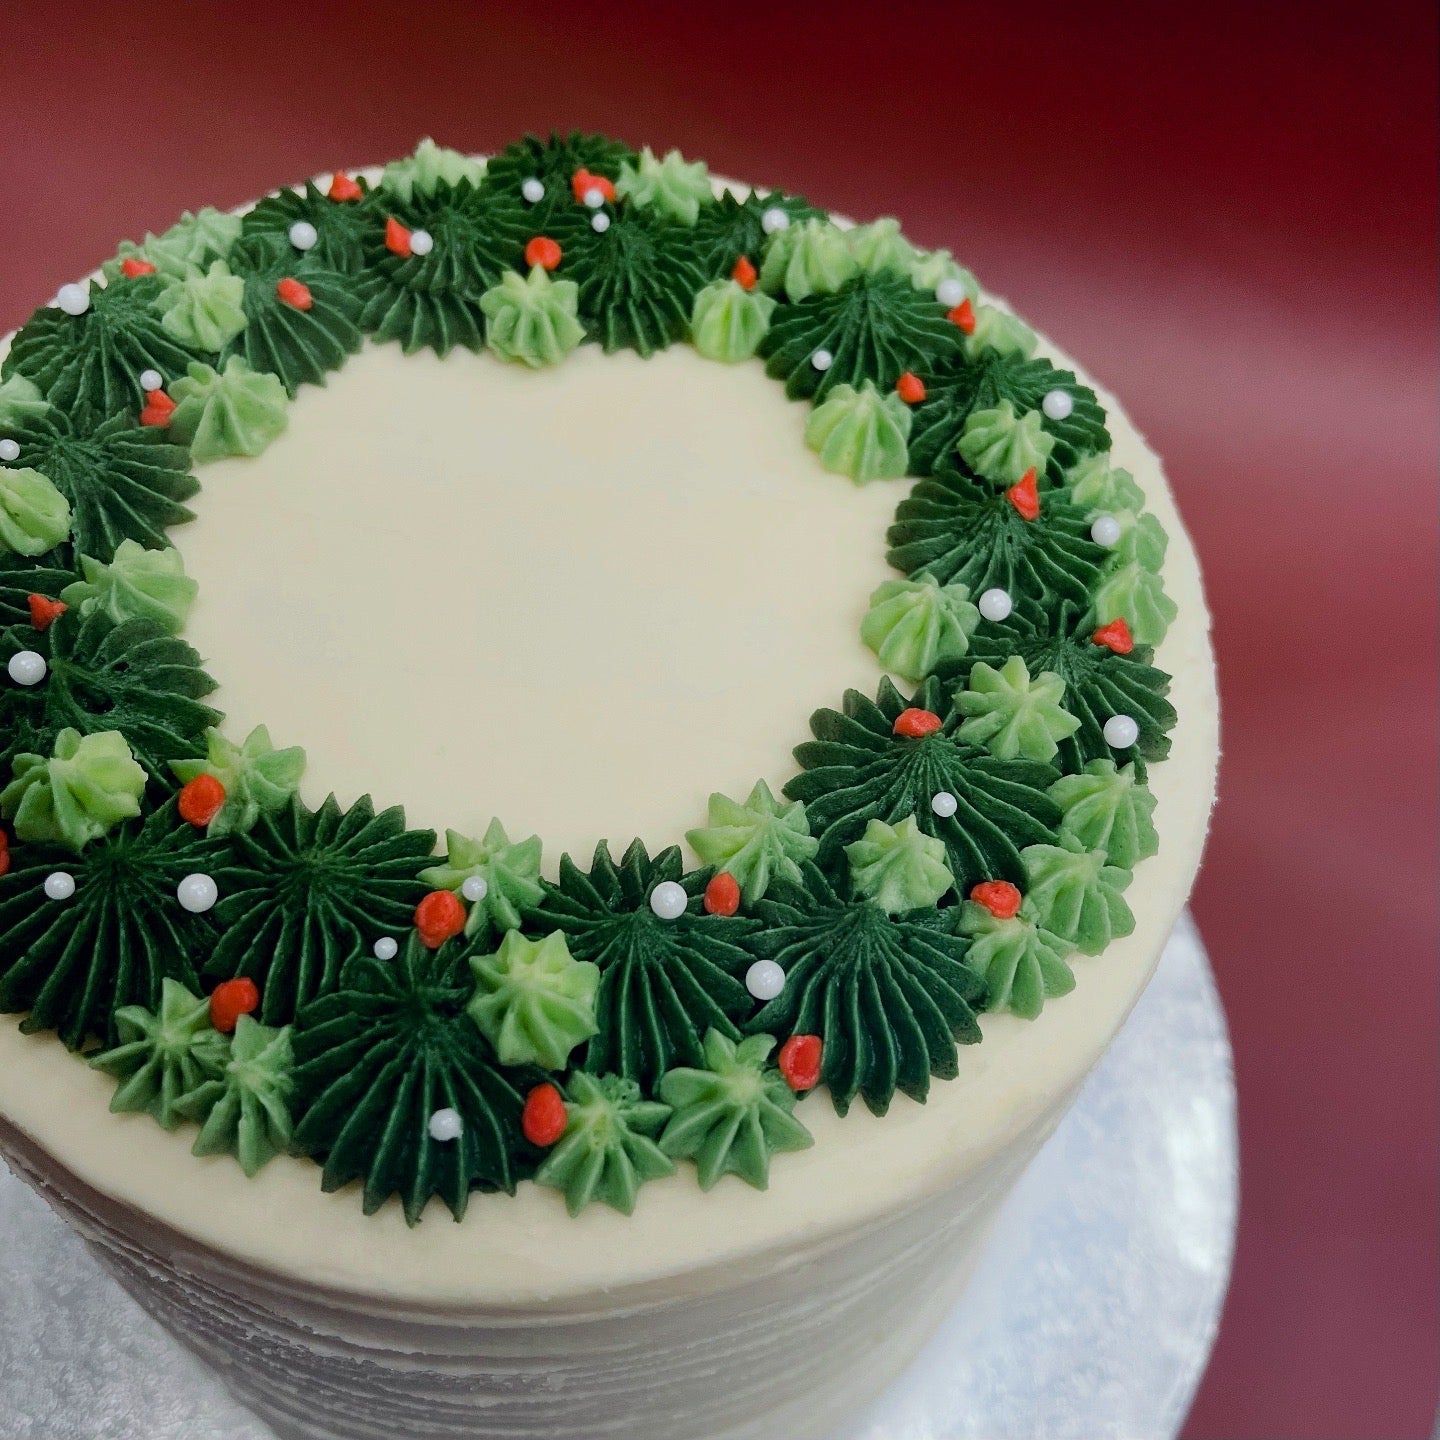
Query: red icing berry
[[916, 724], [343, 188], [159, 407], [744, 273], [295, 294], [397, 238], [722, 895], [231, 1000], [438, 917], [132, 267], [583, 181], [1025, 496], [200, 800], [4, 853], [800, 1058], [1115, 636], [999, 897], [963, 315], [910, 388], [542, 251], [44, 611], [543, 1120]]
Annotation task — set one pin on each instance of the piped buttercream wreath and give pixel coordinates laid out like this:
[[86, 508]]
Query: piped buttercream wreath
[[431, 1021]]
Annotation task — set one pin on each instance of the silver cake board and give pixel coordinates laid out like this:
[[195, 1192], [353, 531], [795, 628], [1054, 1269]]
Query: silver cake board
[[1090, 1317]]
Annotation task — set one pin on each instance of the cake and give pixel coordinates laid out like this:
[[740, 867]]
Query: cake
[[553, 501]]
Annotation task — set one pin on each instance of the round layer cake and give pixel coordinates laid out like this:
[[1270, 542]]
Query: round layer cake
[[643, 505]]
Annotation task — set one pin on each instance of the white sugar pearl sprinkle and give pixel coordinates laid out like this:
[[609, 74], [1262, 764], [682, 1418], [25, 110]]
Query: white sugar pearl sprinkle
[[9, 450], [950, 293], [386, 948], [996, 605], [422, 242], [303, 235], [774, 219], [764, 979], [151, 379], [822, 360], [600, 222], [59, 885], [1058, 404], [197, 894], [1121, 732], [73, 299], [944, 804], [474, 889], [594, 197], [446, 1125], [533, 189], [1105, 531], [668, 900], [27, 667]]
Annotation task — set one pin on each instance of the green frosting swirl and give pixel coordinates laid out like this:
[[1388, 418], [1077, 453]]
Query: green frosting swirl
[[511, 873], [81, 792], [1001, 332], [245, 1111], [899, 867], [205, 312], [733, 1114], [1002, 447], [673, 186], [1138, 594], [860, 433], [184, 249], [137, 584], [1074, 894], [20, 400], [1011, 714], [1106, 808], [1099, 487], [880, 246], [532, 318], [930, 267], [163, 1057], [1022, 963], [34, 515], [534, 1002], [608, 1150], [257, 778], [757, 842], [431, 165], [914, 624], [809, 258], [728, 322], [231, 411]]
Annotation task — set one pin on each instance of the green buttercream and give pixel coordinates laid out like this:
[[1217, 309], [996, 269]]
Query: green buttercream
[[258, 779], [733, 1115], [1021, 963], [1100, 488], [1002, 447], [1074, 894], [728, 322], [1012, 715], [1000, 331], [930, 267], [1107, 808], [1138, 594], [763, 840], [423, 172], [185, 248], [861, 433], [34, 515], [205, 311], [138, 584], [532, 319], [1142, 541], [511, 873], [608, 1150], [20, 400], [912, 625], [245, 1111], [164, 1057], [677, 188], [811, 258], [534, 1002], [233, 411], [81, 792], [880, 246], [899, 867]]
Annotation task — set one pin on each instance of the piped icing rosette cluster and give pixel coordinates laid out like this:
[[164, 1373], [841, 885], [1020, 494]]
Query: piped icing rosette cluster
[[322, 982]]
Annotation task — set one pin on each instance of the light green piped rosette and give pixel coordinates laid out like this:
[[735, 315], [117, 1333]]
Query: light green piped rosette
[[1021, 963], [879, 247], [673, 186], [912, 625], [510, 872], [1102, 488], [164, 1057], [1012, 715], [1003, 447], [137, 584], [1107, 808], [930, 267], [205, 311], [811, 258], [34, 515], [245, 1112], [184, 249], [532, 319], [757, 842], [1000, 331], [608, 1150], [79, 794], [234, 411], [534, 1001], [899, 867], [20, 400], [423, 172], [1130, 585], [1076, 895], [728, 322], [861, 433], [733, 1115], [257, 778]]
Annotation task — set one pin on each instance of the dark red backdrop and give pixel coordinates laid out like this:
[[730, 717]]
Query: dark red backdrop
[[1230, 217]]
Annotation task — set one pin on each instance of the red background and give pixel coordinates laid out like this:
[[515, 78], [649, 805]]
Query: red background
[[1229, 215]]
